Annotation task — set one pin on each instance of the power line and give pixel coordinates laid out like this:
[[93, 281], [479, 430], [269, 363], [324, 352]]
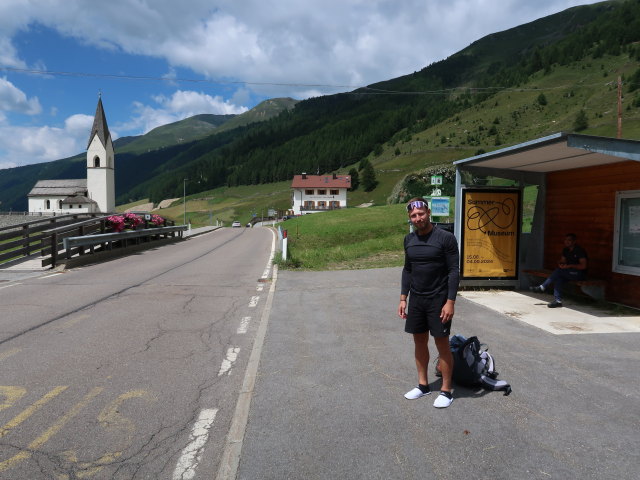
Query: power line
[[362, 90]]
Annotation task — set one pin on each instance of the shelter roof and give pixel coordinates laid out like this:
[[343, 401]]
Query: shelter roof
[[560, 151], [321, 181]]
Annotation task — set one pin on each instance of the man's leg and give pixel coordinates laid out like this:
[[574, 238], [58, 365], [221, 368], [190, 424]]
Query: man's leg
[[446, 361], [421, 345]]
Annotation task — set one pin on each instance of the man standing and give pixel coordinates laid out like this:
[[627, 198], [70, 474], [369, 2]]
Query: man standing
[[431, 274], [571, 266]]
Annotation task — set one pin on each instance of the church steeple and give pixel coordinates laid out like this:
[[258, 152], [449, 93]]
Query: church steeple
[[100, 127]]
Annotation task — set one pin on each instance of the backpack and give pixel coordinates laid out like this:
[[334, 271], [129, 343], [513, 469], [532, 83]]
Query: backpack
[[473, 366]]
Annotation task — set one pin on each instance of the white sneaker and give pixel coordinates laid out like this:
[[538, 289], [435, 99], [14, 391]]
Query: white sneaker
[[443, 400], [415, 394]]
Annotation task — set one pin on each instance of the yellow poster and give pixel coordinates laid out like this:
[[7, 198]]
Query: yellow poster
[[490, 233]]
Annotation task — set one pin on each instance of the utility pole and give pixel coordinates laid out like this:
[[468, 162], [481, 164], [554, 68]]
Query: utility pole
[[619, 107], [184, 201]]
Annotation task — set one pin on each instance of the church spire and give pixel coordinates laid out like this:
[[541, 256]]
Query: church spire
[[100, 127]]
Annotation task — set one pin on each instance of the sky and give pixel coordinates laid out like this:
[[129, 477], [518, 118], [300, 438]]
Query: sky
[[159, 61]]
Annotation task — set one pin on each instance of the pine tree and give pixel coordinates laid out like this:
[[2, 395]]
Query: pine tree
[[369, 181], [355, 179], [581, 122]]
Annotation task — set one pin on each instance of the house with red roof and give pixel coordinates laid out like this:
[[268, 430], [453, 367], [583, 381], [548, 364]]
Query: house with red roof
[[319, 193]]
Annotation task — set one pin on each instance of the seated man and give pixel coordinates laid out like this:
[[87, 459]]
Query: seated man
[[571, 266]]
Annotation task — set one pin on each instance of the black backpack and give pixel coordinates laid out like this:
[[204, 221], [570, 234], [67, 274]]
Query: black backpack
[[473, 366]]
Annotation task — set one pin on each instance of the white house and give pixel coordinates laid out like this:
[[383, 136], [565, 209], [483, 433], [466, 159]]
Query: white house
[[96, 193], [319, 193]]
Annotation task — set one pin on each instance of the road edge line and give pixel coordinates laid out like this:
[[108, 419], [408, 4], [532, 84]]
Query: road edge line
[[228, 468]]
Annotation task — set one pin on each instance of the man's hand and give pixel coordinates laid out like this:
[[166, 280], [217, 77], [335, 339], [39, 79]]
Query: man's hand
[[402, 309], [447, 311]]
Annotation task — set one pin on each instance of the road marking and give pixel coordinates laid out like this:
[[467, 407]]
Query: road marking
[[188, 461], [72, 321], [265, 274], [254, 301], [244, 325], [51, 431], [22, 416], [11, 285], [260, 287], [49, 276], [230, 359], [7, 353]]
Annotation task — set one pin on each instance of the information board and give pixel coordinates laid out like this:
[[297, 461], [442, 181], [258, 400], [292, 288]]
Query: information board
[[491, 221]]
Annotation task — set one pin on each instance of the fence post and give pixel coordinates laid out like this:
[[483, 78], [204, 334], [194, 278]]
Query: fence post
[[284, 245], [54, 250], [25, 234]]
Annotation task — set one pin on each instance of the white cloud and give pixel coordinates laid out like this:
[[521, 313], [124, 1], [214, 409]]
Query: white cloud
[[26, 145], [345, 42], [182, 104], [13, 99]]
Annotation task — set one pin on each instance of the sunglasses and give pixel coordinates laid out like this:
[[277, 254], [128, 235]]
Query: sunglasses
[[416, 204]]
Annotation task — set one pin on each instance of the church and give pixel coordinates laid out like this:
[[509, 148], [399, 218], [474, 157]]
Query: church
[[96, 193]]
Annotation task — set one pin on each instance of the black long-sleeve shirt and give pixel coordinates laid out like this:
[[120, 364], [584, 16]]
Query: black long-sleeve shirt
[[431, 264]]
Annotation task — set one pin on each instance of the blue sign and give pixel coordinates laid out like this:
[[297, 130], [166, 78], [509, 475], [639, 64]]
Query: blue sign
[[440, 206]]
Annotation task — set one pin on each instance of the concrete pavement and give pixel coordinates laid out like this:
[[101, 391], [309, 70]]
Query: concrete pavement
[[328, 400]]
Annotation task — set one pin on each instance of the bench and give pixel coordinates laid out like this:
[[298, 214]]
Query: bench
[[591, 287]]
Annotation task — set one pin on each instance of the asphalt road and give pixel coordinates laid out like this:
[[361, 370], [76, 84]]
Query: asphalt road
[[130, 368], [328, 401]]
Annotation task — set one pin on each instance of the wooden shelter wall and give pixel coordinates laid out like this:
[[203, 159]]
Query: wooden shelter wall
[[582, 201]]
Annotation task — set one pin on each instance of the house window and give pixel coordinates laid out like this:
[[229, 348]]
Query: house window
[[322, 205], [309, 204], [322, 192], [334, 204], [59, 204], [626, 242], [48, 207], [308, 192], [96, 162], [335, 192]]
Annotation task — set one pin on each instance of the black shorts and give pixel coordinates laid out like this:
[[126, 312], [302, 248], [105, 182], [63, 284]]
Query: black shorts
[[423, 315]]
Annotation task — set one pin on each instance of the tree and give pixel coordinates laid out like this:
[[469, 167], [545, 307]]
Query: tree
[[542, 100], [581, 122], [369, 181], [355, 179]]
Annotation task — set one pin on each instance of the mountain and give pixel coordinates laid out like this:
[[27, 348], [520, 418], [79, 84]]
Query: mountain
[[497, 81], [136, 157]]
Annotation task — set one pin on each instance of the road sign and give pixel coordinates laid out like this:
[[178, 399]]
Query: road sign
[[436, 179], [440, 206]]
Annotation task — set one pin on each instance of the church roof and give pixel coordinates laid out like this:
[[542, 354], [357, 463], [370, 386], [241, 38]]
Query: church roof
[[100, 127], [59, 187], [81, 199]]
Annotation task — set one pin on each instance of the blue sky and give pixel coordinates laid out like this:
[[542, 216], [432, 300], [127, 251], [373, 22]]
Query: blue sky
[[159, 61]]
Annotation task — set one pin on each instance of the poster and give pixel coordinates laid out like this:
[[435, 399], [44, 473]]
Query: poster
[[490, 233]]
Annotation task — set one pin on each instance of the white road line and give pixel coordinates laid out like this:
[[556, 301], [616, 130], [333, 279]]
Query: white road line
[[49, 276], [254, 301], [188, 461], [244, 325], [259, 287], [230, 359], [10, 285]]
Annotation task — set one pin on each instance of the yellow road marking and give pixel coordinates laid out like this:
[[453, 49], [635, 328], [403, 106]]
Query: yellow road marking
[[72, 321], [11, 395], [8, 353], [18, 419], [51, 431]]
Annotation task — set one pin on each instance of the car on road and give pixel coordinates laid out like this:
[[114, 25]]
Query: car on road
[[236, 224]]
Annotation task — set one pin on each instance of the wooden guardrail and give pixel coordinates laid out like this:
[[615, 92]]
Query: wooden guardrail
[[89, 236], [25, 239]]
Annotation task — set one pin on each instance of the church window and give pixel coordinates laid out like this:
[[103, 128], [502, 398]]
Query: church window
[[48, 204], [60, 204], [96, 162]]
